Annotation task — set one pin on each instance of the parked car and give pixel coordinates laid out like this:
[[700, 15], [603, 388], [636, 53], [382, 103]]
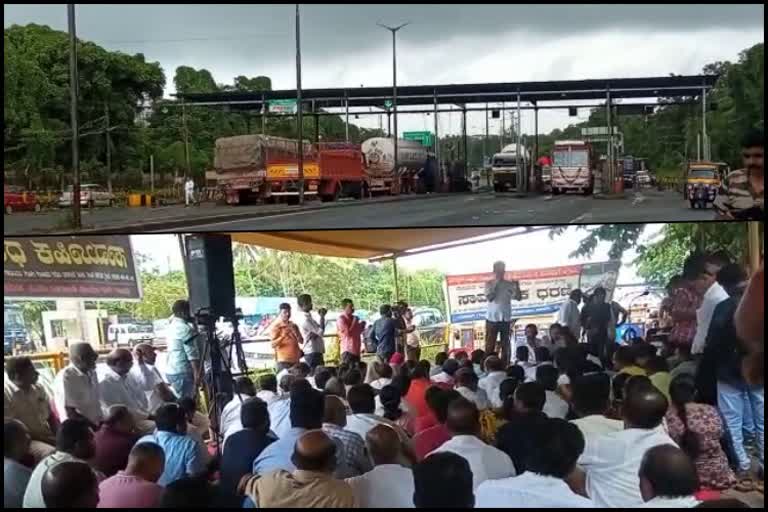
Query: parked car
[[130, 334], [16, 199], [90, 195], [430, 323]]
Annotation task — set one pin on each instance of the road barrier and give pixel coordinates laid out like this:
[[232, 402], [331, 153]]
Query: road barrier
[[140, 200]]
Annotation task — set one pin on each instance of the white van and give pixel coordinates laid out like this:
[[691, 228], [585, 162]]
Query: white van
[[130, 334]]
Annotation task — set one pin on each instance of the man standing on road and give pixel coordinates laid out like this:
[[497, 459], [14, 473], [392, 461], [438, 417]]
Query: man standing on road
[[189, 192], [568, 316], [312, 332], [500, 294], [741, 195]]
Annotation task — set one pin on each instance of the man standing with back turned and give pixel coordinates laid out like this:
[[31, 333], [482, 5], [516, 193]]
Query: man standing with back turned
[[500, 294]]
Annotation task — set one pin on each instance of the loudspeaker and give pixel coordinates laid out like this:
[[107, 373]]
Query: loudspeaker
[[210, 274]]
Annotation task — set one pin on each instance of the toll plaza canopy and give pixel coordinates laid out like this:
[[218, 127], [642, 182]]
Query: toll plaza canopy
[[373, 244], [463, 94]]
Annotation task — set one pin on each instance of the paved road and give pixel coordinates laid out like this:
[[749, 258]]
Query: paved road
[[387, 212], [478, 210]]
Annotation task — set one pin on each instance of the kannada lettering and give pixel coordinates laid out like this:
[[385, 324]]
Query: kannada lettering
[[63, 253]]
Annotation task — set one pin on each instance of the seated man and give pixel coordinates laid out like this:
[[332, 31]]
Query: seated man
[[668, 478], [515, 437], [117, 388], [591, 399], [443, 480], [467, 386], [230, 414], [492, 380], [310, 484], [267, 388], [183, 455], [147, 377], [554, 406], [74, 442], [549, 469], [28, 402], [76, 387], [114, 440], [612, 461], [136, 486], [70, 484], [16, 441]]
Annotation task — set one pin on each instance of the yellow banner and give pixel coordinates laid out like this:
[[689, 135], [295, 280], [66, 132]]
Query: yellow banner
[[291, 171]]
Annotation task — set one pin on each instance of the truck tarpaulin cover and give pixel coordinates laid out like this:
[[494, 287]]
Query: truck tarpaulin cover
[[82, 267], [254, 151], [544, 289]]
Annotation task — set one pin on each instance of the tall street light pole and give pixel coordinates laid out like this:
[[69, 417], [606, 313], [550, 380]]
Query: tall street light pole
[[394, 31], [73, 86], [299, 119]]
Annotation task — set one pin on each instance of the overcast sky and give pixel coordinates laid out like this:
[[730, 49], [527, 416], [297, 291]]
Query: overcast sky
[[342, 46]]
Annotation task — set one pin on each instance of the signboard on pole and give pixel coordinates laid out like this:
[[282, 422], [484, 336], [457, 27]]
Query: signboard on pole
[[597, 131], [544, 290], [77, 267], [287, 107], [425, 138]]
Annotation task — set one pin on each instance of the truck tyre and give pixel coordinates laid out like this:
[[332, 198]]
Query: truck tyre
[[8, 209]]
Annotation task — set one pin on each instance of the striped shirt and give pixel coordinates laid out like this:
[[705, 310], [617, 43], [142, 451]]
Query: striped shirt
[[737, 199]]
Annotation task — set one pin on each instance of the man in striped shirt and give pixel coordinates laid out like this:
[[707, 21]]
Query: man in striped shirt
[[741, 195]]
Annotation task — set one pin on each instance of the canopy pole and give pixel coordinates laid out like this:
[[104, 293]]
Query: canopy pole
[[441, 178], [394, 276]]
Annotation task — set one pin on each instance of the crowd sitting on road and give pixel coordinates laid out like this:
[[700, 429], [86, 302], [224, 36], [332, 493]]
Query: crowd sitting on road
[[554, 423]]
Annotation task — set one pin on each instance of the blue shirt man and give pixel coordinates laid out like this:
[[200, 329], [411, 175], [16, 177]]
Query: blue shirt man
[[384, 333]]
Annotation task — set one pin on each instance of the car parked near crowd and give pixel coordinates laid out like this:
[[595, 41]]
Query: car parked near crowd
[[16, 199], [90, 195]]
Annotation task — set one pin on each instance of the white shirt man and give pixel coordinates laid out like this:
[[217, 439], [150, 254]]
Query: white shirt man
[[312, 333], [79, 390], [569, 317], [612, 462], [662, 502], [230, 414], [385, 486], [500, 308], [147, 377], [116, 389], [485, 461], [491, 384], [714, 295], [189, 191], [280, 415], [267, 396], [479, 397], [554, 406], [360, 424], [529, 490], [596, 425]]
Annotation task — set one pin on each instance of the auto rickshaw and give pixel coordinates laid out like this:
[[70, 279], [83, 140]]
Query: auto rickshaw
[[702, 181]]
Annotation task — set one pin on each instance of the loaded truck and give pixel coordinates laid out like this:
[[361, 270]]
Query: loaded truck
[[504, 167], [381, 175], [573, 167]]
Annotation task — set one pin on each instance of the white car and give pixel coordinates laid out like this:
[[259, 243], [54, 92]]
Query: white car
[[90, 195], [130, 334]]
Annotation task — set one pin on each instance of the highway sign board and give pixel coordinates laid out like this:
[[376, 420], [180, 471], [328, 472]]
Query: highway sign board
[[425, 138], [287, 107]]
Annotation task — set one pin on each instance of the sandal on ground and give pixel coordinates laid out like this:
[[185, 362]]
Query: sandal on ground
[[745, 484]]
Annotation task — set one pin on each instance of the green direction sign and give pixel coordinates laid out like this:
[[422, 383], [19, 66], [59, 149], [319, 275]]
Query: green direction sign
[[282, 106], [425, 138], [388, 103]]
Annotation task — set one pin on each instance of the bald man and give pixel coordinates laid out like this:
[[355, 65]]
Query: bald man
[[114, 440], [136, 486], [76, 388], [389, 484], [612, 461], [668, 478], [118, 388], [148, 378], [311, 485], [70, 485], [354, 459]]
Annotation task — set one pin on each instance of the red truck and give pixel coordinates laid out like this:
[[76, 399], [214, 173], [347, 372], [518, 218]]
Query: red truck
[[264, 168], [17, 199]]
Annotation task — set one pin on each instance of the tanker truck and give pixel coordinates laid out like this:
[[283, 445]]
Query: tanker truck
[[504, 167], [252, 167], [380, 169]]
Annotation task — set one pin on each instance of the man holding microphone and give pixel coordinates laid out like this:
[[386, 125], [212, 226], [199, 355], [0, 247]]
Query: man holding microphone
[[500, 293]]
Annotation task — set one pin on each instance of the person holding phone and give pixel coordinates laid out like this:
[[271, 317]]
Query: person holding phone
[[500, 293]]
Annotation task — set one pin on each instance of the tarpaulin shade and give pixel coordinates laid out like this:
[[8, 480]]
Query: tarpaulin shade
[[361, 243]]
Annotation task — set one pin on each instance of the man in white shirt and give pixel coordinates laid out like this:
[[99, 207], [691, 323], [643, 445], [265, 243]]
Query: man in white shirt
[[389, 484], [668, 478], [555, 406], [363, 418], [76, 387], [230, 414], [280, 409], [189, 191], [467, 386], [705, 283], [500, 293], [485, 461], [492, 381], [312, 332], [569, 316], [267, 388], [612, 461], [550, 475], [591, 399], [117, 388], [148, 378], [447, 374]]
